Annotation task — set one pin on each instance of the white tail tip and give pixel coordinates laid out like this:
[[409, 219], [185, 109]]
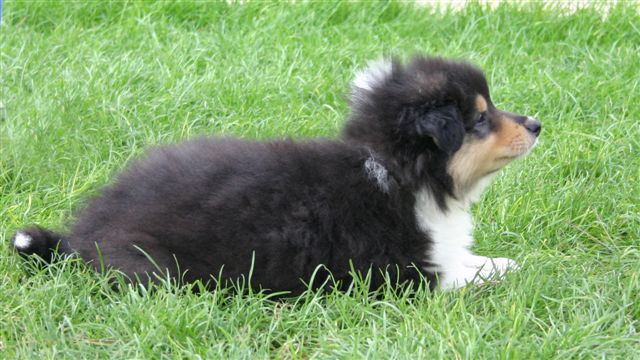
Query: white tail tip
[[22, 241]]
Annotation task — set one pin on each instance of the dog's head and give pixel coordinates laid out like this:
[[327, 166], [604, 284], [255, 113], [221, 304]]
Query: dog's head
[[434, 123]]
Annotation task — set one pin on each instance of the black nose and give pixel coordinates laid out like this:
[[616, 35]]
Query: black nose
[[533, 125]]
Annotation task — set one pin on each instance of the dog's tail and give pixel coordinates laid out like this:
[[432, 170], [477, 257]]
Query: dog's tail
[[41, 242]]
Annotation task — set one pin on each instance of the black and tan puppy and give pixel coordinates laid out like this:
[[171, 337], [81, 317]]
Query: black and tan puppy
[[393, 194]]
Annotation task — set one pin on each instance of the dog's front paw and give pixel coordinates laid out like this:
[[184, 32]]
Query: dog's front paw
[[490, 267], [476, 269]]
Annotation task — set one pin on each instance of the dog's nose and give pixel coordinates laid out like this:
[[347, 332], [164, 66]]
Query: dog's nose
[[533, 125]]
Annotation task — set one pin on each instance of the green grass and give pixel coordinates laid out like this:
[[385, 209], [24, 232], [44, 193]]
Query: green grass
[[88, 86]]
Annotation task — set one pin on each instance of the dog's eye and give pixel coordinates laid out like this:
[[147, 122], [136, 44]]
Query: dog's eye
[[482, 119]]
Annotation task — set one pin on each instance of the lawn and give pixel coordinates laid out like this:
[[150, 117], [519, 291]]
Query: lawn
[[87, 87]]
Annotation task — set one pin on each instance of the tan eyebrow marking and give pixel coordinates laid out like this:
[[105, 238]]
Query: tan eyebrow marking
[[481, 104]]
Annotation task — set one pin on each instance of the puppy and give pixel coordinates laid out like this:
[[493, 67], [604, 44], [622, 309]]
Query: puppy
[[391, 196]]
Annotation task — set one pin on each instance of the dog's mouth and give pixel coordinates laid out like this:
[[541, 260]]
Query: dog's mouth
[[507, 158], [518, 151]]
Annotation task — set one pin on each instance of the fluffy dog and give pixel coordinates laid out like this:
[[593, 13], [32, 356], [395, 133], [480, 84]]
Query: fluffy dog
[[391, 196]]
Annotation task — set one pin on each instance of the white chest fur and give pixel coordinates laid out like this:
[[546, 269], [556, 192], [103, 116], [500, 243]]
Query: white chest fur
[[450, 230], [451, 237]]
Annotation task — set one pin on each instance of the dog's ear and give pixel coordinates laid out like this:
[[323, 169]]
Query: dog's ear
[[443, 125]]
